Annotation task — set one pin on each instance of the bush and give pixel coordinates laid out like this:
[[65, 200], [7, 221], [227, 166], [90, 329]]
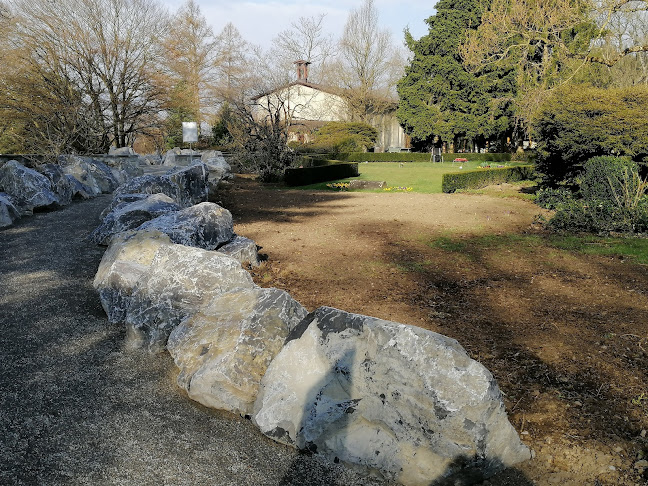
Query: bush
[[605, 178], [338, 137], [575, 125], [612, 199], [553, 198], [475, 179], [599, 217]]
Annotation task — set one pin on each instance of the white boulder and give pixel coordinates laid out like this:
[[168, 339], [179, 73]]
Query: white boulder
[[223, 351], [398, 400], [205, 225]]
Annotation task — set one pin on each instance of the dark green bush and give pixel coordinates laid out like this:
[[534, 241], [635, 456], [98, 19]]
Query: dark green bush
[[339, 137], [603, 178], [575, 125], [611, 198], [475, 179], [550, 198], [310, 175], [599, 217]]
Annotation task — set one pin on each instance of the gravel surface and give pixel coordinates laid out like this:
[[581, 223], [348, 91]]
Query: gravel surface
[[77, 407]]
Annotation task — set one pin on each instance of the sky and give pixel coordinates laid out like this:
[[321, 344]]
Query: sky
[[259, 21]]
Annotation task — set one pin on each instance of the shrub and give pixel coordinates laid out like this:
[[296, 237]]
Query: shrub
[[475, 179], [607, 178], [575, 125], [612, 199], [552, 198], [338, 137]]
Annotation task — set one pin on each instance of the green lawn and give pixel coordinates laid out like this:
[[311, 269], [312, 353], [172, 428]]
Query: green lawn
[[424, 177]]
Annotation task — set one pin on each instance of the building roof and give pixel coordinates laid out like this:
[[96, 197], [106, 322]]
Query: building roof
[[319, 87]]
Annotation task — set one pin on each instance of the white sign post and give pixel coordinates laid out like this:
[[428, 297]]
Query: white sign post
[[190, 135]]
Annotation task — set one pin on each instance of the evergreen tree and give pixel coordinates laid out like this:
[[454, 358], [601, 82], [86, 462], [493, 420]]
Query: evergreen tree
[[439, 99]]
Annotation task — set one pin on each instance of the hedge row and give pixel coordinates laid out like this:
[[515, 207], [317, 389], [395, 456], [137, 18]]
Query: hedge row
[[406, 157], [311, 175], [475, 179]]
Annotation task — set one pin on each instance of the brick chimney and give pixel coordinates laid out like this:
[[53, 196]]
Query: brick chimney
[[302, 70]]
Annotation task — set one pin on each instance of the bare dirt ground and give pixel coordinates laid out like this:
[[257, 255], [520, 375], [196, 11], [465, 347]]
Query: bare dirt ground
[[565, 334]]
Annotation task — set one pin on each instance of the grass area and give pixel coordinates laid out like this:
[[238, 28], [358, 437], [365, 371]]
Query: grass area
[[423, 177], [635, 249]]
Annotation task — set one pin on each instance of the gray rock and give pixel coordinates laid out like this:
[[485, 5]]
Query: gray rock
[[120, 200], [28, 189], [223, 351], [81, 190], [243, 249], [8, 212], [93, 174], [63, 187], [121, 151], [130, 215], [170, 158], [185, 185], [389, 398], [151, 184], [151, 159], [205, 225], [124, 264], [193, 183], [178, 283], [219, 169]]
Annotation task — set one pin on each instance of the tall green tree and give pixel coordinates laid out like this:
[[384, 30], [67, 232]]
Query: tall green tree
[[439, 99]]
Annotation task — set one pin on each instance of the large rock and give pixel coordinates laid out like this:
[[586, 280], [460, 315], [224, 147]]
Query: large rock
[[8, 212], [389, 398], [243, 249], [130, 215], [121, 200], [121, 151], [151, 184], [193, 183], [92, 174], [205, 225], [28, 189], [179, 281], [81, 190], [124, 264], [185, 185], [219, 169], [224, 350], [61, 183], [170, 157]]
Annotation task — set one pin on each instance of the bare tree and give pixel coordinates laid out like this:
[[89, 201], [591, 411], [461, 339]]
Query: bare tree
[[233, 64], [106, 50], [305, 40], [189, 52], [370, 64]]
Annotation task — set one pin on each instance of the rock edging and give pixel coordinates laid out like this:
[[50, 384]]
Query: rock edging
[[383, 397]]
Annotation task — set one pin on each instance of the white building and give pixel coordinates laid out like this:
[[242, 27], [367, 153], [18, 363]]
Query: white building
[[307, 106]]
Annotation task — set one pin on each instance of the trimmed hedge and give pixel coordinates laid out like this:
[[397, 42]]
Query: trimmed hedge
[[475, 179], [419, 157], [311, 175]]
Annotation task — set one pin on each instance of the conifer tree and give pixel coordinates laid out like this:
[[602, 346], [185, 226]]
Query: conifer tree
[[439, 99]]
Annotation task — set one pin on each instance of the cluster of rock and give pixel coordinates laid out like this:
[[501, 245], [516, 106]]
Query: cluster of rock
[[391, 399], [24, 190]]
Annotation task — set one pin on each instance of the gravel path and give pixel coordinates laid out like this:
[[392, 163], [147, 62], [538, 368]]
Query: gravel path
[[76, 407]]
